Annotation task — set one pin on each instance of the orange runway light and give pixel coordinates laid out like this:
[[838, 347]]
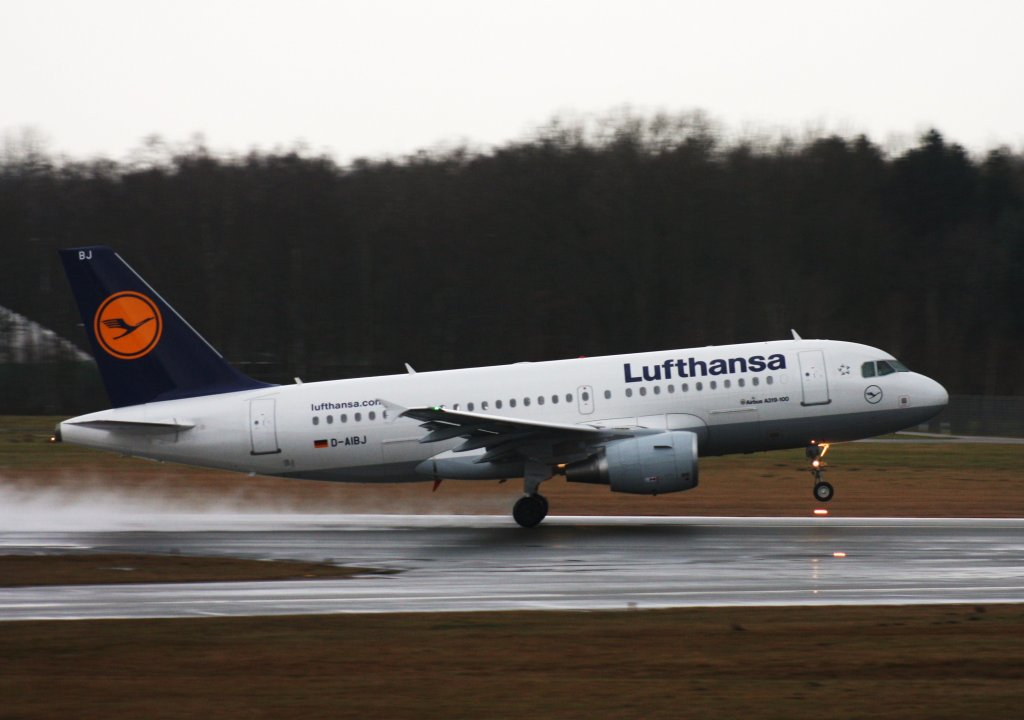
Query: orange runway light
[[820, 511], [839, 554]]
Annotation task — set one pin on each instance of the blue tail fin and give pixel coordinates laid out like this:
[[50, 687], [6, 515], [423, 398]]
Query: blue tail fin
[[145, 351]]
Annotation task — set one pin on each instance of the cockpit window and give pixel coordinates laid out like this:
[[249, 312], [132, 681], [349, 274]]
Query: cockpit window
[[882, 367]]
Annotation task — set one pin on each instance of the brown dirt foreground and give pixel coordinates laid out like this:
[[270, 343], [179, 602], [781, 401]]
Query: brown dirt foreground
[[844, 662]]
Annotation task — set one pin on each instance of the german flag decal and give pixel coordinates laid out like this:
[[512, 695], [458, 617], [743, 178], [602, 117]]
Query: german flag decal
[[319, 443]]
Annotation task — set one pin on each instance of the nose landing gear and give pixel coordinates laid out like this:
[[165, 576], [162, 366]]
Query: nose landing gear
[[823, 491]]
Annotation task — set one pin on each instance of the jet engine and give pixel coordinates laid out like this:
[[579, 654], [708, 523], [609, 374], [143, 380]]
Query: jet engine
[[645, 465]]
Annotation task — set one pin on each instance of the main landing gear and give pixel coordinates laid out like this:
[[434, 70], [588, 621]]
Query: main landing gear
[[532, 508], [823, 491]]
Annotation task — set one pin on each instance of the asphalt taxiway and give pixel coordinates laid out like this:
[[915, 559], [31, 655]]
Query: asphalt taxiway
[[455, 563]]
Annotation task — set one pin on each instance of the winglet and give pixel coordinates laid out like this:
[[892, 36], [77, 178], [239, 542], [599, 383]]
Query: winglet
[[796, 336], [410, 369]]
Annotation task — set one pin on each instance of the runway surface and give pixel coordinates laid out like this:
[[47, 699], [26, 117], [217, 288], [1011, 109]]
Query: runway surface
[[454, 563]]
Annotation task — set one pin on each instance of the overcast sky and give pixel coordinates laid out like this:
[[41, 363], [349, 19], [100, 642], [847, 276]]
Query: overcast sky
[[385, 78]]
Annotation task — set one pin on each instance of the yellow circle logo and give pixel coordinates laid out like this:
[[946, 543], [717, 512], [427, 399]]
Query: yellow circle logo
[[128, 325]]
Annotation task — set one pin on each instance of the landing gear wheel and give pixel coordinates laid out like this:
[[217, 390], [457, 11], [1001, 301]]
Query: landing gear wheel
[[823, 491], [815, 452], [543, 500], [530, 510]]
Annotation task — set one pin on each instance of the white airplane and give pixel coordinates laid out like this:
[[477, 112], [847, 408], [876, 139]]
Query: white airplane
[[636, 423]]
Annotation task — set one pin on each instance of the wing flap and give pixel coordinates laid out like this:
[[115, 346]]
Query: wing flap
[[479, 441], [447, 432]]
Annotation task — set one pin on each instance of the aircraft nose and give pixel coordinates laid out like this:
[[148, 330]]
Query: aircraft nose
[[932, 393]]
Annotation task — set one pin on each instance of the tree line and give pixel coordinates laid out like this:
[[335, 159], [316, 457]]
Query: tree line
[[650, 233]]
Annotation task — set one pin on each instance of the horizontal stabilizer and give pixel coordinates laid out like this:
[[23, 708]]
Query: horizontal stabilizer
[[151, 425]]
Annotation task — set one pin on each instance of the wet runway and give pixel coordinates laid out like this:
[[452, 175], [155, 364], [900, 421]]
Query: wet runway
[[452, 563]]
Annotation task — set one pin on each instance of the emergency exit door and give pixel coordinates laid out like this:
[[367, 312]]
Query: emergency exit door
[[585, 397]]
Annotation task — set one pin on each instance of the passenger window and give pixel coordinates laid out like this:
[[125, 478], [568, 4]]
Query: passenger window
[[657, 389], [727, 383], [554, 399], [607, 394], [526, 402], [469, 407], [755, 381], [483, 405], [512, 402], [629, 392], [540, 399], [714, 384], [585, 396], [741, 382], [344, 418], [330, 419], [671, 388], [867, 369], [699, 386], [643, 392], [373, 415], [316, 419], [770, 380], [358, 417], [497, 404], [685, 387], [568, 397]]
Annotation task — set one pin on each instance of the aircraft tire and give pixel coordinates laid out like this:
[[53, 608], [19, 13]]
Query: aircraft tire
[[823, 491], [530, 510], [544, 500]]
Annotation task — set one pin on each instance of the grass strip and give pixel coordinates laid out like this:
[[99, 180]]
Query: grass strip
[[107, 569]]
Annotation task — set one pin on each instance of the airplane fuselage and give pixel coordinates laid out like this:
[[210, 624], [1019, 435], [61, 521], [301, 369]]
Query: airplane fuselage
[[734, 398]]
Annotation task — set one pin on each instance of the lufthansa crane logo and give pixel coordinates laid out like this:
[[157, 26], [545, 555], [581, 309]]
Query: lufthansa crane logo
[[128, 325]]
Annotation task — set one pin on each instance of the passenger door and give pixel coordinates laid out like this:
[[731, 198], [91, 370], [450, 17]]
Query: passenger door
[[262, 426], [813, 378]]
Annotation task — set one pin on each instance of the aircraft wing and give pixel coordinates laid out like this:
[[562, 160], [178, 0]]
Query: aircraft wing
[[506, 438]]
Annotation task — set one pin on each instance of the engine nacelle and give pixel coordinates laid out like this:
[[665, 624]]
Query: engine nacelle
[[644, 465]]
